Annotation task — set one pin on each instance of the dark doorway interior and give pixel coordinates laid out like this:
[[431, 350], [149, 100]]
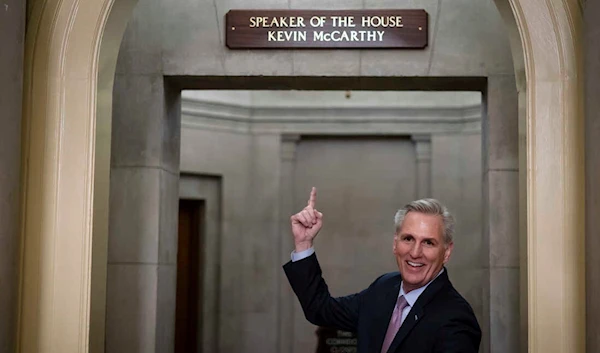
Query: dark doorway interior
[[189, 276]]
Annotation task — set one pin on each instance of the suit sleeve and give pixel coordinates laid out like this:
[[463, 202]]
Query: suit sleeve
[[460, 335], [319, 307]]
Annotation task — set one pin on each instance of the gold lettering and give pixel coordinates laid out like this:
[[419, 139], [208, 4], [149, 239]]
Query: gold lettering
[[348, 36], [382, 21], [253, 22], [286, 36]]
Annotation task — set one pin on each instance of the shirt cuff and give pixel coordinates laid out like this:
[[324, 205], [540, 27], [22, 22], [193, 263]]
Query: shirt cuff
[[297, 256]]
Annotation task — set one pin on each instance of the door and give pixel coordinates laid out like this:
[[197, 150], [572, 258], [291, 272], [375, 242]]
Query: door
[[189, 276]]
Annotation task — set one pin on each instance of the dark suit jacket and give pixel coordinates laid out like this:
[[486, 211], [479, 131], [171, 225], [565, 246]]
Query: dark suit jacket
[[441, 321]]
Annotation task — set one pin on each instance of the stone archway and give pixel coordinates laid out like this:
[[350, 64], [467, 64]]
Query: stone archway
[[71, 53]]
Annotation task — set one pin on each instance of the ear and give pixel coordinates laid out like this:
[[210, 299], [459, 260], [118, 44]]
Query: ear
[[394, 242], [448, 252]]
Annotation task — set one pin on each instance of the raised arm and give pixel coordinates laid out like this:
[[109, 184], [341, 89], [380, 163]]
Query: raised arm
[[306, 280]]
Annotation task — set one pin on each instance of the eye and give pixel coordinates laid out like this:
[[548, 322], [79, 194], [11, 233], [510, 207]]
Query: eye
[[429, 243], [407, 238]]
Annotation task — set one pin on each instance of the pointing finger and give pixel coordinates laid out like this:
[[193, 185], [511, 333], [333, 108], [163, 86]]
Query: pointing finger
[[313, 197]]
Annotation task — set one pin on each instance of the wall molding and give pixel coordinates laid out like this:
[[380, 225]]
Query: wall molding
[[210, 115]]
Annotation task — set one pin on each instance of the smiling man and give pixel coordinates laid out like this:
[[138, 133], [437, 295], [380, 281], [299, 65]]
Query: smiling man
[[415, 310]]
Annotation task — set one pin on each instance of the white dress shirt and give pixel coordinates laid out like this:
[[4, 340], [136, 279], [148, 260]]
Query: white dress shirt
[[412, 296]]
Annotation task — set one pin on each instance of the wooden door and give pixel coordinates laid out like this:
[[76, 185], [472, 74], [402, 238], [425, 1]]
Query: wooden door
[[189, 277]]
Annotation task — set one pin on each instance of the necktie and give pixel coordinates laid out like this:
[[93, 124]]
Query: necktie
[[394, 325]]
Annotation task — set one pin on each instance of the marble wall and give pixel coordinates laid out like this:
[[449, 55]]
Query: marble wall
[[12, 38]]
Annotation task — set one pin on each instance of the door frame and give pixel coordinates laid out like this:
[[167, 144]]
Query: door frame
[[71, 52]]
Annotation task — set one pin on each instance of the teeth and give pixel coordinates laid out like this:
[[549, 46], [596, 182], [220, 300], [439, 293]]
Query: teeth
[[415, 264]]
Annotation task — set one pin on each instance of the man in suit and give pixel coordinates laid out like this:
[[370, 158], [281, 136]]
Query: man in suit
[[415, 310]]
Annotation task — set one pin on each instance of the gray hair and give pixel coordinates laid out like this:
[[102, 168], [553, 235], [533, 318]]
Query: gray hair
[[431, 207]]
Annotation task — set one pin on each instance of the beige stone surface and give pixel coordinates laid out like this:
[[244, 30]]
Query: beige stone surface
[[471, 40], [327, 63], [504, 303], [414, 62], [501, 132], [142, 44], [131, 308], [168, 212], [503, 219], [165, 313], [132, 146], [456, 181], [135, 212]]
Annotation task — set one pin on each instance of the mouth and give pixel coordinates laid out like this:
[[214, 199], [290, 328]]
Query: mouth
[[415, 264]]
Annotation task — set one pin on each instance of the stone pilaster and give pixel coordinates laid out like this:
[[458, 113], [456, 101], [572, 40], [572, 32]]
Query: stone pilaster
[[423, 153]]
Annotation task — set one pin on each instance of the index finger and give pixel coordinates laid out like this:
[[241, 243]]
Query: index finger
[[313, 197]]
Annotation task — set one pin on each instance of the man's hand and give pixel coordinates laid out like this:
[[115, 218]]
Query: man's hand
[[306, 224]]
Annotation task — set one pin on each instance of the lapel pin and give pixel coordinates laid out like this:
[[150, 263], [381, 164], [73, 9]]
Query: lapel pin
[[416, 318]]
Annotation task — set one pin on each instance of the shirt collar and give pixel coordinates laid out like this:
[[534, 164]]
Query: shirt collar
[[412, 296]]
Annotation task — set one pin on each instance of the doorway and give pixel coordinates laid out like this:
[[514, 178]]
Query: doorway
[[189, 276]]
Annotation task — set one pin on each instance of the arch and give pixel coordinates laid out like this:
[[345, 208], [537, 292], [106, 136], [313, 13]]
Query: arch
[[71, 50]]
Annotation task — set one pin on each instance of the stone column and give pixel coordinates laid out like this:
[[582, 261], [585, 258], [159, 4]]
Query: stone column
[[501, 212], [592, 172], [423, 152], [289, 144], [12, 37], [144, 194], [142, 243]]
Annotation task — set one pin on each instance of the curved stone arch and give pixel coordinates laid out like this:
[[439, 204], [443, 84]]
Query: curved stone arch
[[71, 50], [550, 34]]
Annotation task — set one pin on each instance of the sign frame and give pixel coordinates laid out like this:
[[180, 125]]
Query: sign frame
[[327, 29]]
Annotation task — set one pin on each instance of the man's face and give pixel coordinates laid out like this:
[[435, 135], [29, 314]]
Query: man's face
[[420, 249]]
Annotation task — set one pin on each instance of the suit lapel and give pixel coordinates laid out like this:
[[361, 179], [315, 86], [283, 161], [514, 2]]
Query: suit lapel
[[382, 321], [417, 312], [414, 316]]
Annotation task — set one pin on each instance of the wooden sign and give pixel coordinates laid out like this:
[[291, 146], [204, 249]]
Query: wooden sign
[[312, 29]]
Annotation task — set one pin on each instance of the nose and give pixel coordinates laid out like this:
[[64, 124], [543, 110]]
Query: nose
[[416, 250]]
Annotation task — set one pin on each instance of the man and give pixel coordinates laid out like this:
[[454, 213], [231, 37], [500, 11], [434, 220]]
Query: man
[[415, 311]]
